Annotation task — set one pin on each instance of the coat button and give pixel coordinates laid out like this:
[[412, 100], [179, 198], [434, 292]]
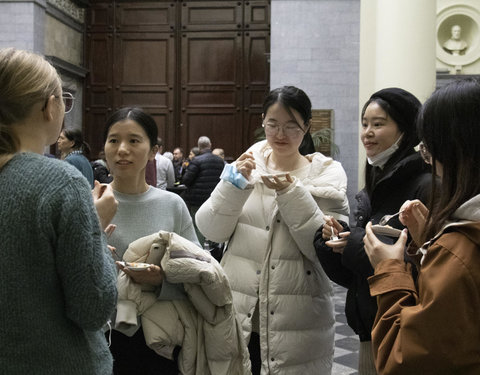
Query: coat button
[[267, 228], [278, 220], [360, 217], [271, 313], [273, 267], [272, 359], [249, 315], [259, 272], [309, 272]]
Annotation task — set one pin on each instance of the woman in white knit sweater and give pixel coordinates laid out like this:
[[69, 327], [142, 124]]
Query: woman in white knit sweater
[[130, 135]]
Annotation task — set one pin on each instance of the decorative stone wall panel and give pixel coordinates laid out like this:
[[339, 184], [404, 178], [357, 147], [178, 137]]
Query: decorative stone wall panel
[[69, 8]]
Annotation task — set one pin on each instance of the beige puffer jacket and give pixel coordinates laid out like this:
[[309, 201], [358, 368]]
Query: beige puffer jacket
[[204, 324], [271, 261]]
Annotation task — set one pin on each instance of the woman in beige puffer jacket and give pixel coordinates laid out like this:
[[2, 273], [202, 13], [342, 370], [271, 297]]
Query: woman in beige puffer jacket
[[280, 291]]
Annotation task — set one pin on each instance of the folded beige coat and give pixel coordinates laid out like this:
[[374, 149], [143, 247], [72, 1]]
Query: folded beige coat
[[204, 324]]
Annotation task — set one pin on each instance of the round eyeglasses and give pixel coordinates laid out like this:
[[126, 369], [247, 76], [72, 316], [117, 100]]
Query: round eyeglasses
[[289, 130], [68, 100], [426, 156]]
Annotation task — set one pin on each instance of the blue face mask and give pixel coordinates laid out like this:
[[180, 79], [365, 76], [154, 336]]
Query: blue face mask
[[233, 176], [381, 158]]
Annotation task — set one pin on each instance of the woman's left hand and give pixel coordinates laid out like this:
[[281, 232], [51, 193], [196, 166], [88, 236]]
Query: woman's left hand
[[378, 251], [153, 275], [338, 245], [275, 183]]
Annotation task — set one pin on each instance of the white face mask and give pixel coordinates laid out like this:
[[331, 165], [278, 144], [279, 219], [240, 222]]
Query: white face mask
[[381, 158]]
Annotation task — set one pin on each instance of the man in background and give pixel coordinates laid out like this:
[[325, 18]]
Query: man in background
[[219, 152], [164, 167], [178, 163], [201, 177]]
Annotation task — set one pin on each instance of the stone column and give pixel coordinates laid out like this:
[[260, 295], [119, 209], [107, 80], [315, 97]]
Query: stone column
[[397, 48], [22, 24]]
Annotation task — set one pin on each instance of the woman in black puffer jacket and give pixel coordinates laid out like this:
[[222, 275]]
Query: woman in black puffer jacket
[[394, 173]]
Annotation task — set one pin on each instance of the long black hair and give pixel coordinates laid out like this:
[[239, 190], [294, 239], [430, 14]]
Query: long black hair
[[449, 125], [291, 97]]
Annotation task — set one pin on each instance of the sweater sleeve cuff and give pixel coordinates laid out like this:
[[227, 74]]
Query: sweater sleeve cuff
[[390, 275], [288, 188], [126, 314]]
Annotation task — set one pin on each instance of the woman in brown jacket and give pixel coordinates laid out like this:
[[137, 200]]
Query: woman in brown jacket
[[433, 327]]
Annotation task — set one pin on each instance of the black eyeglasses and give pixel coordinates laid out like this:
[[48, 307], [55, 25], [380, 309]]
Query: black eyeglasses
[[426, 156], [68, 100]]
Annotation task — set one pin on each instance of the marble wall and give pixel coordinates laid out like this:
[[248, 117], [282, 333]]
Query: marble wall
[[51, 28], [22, 25], [315, 46], [63, 42]]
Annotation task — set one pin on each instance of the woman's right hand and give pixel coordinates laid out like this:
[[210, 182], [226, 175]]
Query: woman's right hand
[[377, 250], [153, 275], [245, 164], [332, 226], [105, 203], [414, 217]]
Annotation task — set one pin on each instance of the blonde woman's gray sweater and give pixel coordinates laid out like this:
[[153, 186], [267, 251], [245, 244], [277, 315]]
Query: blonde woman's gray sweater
[[57, 285]]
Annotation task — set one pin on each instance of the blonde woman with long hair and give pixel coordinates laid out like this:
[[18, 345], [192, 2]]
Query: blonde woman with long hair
[[57, 274]]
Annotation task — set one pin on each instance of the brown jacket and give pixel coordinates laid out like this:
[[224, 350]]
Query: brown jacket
[[433, 328]]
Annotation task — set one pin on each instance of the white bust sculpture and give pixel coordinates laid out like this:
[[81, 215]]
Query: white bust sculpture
[[455, 45]]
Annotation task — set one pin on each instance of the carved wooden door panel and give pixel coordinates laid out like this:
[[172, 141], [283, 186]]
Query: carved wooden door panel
[[199, 67], [211, 74], [145, 74], [100, 17], [145, 61], [256, 81], [256, 67], [145, 16], [210, 89], [99, 98], [211, 15]]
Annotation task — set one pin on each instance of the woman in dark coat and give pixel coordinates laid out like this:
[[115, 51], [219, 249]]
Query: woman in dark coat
[[394, 173]]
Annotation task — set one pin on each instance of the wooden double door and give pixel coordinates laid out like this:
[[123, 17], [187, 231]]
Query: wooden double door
[[198, 67]]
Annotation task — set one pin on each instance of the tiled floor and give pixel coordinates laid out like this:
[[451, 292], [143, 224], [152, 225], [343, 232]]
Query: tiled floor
[[346, 341]]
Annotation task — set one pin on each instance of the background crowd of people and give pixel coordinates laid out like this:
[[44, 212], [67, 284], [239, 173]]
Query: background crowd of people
[[410, 261], [166, 171]]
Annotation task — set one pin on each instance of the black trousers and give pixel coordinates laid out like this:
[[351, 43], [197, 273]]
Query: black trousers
[[255, 357], [132, 356]]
